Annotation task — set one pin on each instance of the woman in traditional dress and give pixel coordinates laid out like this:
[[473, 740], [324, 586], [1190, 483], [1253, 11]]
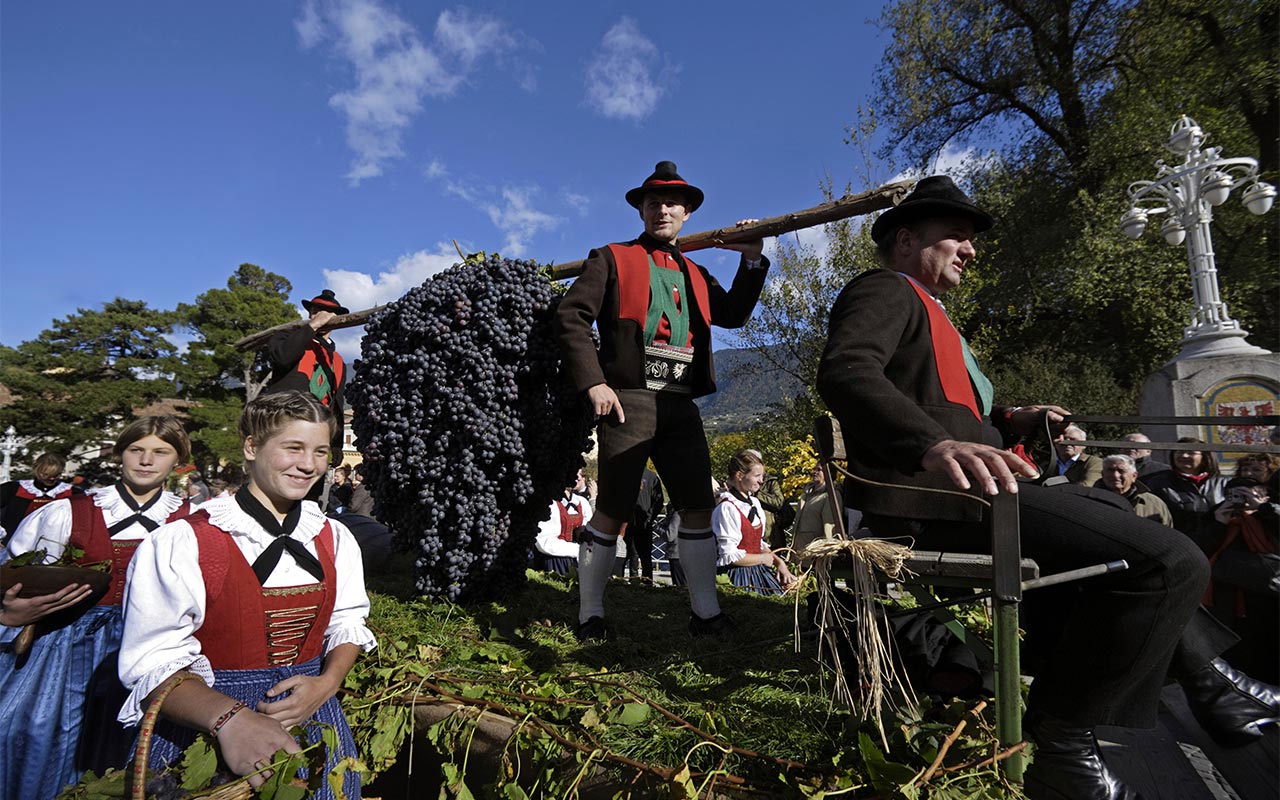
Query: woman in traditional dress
[[556, 541], [58, 702], [260, 597], [738, 522]]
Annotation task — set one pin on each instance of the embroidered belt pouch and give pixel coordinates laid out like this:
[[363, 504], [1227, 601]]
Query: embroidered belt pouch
[[667, 368]]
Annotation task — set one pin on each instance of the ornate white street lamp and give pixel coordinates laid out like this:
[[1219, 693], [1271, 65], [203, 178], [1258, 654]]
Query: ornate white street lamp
[[9, 445], [1188, 192]]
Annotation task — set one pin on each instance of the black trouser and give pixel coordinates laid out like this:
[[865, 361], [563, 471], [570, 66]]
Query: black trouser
[[1113, 640]]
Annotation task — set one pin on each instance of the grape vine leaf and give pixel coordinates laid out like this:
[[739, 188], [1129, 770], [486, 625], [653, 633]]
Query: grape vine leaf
[[199, 763]]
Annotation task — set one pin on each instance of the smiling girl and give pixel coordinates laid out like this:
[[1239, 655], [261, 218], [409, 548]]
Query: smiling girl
[[738, 522], [70, 671], [259, 596]]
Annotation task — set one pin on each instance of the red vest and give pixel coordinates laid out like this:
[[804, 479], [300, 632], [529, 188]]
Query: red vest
[[35, 501], [569, 520], [948, 354], [752, 534], [89, 533], [311, 364], [247, 626], [632, 261]]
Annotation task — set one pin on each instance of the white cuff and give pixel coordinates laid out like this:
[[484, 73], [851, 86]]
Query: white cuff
[[358, 635], [131, 712]]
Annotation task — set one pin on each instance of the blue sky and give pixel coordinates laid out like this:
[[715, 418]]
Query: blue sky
[[147, 149]]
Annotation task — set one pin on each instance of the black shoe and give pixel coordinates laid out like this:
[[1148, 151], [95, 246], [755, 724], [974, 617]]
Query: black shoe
[[1068, 765], [1231, 707], [714, 626], [593, 628]]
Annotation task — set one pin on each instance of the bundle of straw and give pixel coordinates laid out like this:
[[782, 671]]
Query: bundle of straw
[[866, 630]]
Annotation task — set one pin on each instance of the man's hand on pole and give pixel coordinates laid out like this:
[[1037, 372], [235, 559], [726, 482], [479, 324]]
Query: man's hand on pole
[[752, 250], [1028, 420], [320, 320]]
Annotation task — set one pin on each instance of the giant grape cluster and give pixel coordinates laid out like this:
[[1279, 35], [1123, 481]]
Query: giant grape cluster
[[467, 427]]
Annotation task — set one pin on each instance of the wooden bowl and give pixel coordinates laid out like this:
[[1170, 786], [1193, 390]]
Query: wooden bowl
[[38, 579]]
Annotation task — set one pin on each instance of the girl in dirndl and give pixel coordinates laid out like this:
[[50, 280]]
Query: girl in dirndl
[[58, 702], [738, 523], [259, 597], [556, 541]]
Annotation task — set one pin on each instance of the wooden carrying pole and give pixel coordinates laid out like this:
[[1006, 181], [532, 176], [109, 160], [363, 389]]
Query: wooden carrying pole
[[848, 206]]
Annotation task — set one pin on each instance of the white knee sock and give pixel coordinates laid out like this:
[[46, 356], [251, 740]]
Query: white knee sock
[[595, 564], [698, 552]]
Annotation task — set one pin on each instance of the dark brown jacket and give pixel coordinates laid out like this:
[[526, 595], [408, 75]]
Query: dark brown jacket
[[878, 376], [593, 298]]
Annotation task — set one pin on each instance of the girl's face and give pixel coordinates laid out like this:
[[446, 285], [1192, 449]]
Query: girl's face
[[749, 482], [283, 468], [1189, 462], [146, 464]]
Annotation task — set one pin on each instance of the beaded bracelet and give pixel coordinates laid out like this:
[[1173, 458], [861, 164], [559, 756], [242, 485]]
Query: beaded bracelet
[[225, 718]]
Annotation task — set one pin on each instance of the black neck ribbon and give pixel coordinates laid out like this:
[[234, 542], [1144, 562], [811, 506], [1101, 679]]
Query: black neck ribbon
[[752, 515], [280, 530], [139, 511]]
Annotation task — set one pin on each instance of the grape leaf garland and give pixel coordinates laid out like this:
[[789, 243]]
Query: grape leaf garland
[[467, 427]]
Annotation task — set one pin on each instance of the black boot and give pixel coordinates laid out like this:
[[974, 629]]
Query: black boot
[[1068, 765], [1231, 707]]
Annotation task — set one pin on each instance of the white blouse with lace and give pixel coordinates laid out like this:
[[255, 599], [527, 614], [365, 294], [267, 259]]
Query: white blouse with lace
[[164, 602]]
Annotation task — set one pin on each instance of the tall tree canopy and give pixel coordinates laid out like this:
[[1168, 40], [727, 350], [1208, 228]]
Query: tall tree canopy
[[962, 69], [216, 374], [78, 381], [1064, 103]]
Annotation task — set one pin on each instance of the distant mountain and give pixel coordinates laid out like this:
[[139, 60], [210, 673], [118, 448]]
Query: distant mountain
[[746, 386]]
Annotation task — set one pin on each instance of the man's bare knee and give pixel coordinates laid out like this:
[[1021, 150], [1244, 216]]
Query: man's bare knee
[[609, 526], [695, 519]]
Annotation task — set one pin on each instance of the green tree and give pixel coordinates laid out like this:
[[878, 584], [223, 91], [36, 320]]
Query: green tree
[[215, 374], [1091, 89], [989, 69], [80, 380]]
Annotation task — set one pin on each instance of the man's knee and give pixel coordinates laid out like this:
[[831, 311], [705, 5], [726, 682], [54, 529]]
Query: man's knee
[[605, 524], [695, 519]]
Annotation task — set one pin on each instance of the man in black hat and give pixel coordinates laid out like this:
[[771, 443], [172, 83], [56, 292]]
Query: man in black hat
[[653, 308], [917, 412], [305, 359]]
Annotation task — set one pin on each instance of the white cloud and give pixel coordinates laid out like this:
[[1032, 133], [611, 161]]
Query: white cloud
[[518, 219], [628, 76], [952, 160], [511, 210], [468, 36], [578, 202], [436, 169], [309, 26], [395, 69], [361, 290]]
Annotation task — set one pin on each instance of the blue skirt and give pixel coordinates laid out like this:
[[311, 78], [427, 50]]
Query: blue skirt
[[560, 565], [758, 578], [43, 703], [250, 686]]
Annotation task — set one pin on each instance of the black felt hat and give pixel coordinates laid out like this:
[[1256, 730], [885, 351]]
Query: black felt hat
[[325, 302], [666, 179], [934, 196]]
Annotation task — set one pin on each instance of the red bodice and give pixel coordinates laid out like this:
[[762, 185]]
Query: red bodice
[[89, 533], [752, 533], [570, 520], [247, 626]]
